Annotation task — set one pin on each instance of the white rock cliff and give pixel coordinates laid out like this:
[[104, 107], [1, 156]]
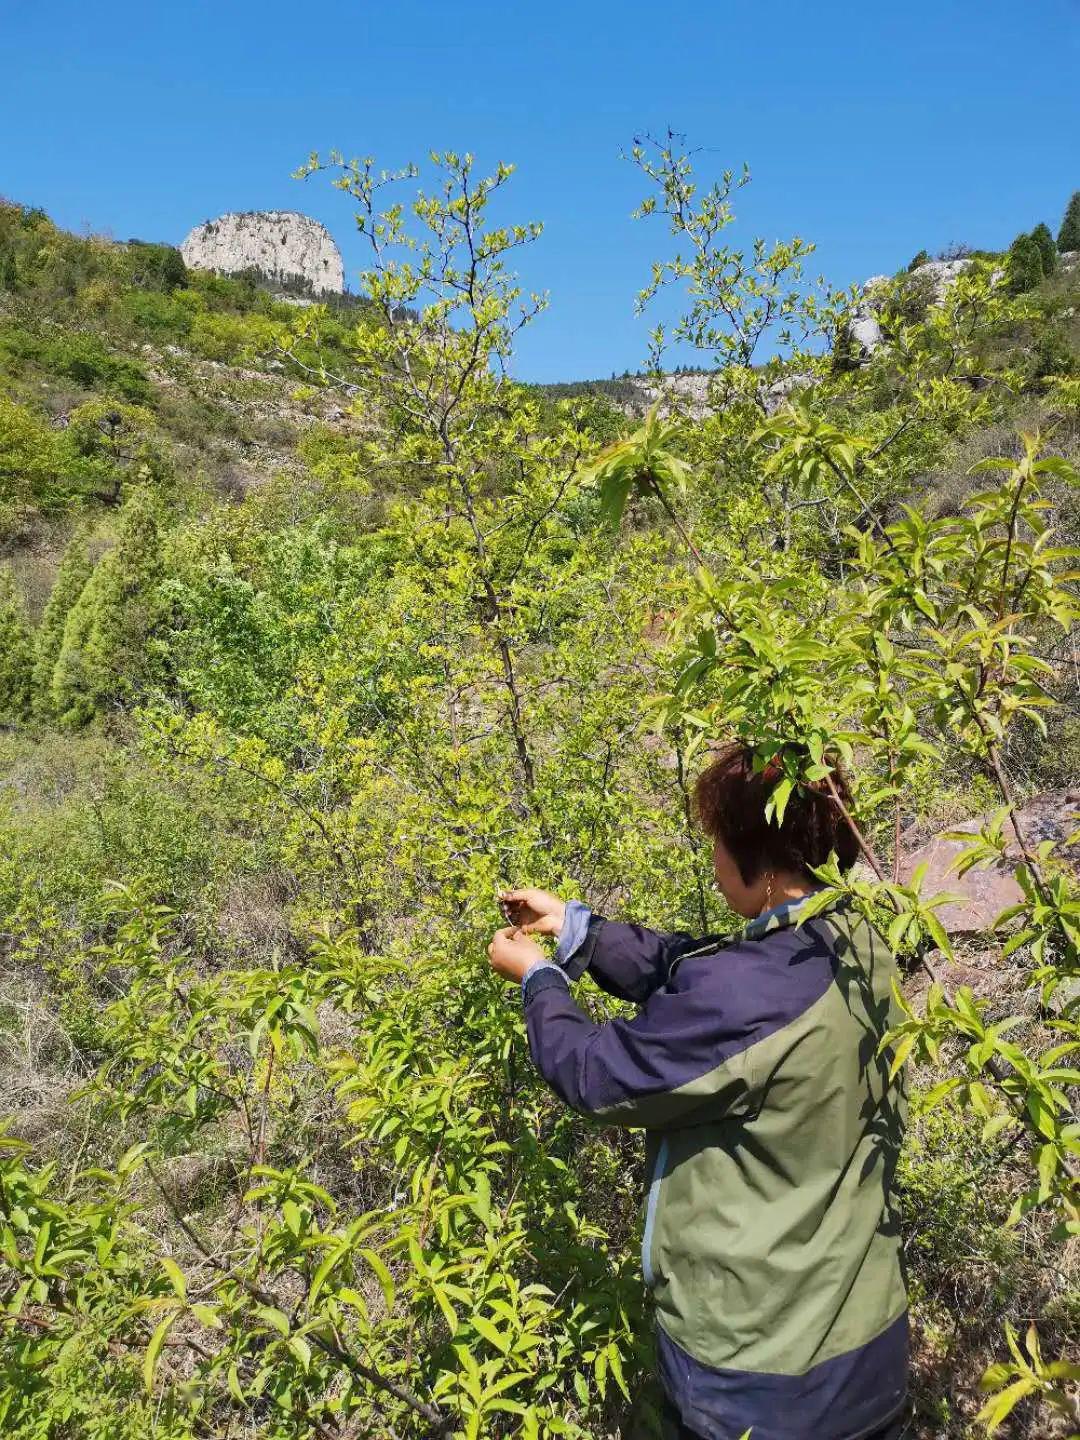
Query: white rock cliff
[[283, 244]]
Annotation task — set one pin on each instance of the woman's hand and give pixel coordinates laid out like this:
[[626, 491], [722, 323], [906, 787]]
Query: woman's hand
[[511, 953], [536, 912]]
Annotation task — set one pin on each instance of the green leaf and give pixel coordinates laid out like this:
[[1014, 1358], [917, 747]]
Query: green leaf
[[900, 1054], [481, 1198], [491, 1334], [300, 1348], [233, 1382], [385, 1279], [176, 1277], [153, 1350], [1002, 1405], [275, 1318]]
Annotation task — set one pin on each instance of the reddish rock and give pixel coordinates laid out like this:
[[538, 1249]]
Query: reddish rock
[[988, 890]]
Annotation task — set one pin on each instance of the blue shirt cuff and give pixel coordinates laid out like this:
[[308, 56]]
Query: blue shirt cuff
[[535, 969], [574, 928]]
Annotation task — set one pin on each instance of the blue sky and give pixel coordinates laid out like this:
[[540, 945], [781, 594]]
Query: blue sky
[[873, 130]]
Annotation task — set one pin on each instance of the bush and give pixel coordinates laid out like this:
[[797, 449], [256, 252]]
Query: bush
[[148, 312], [84, 358], [30, 455], [1053, 353], [39, 469], [230, 339]]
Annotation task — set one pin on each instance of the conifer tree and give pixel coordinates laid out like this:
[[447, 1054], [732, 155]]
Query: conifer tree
[[70, 581], [1024, 263], [16, 653], [102, 651], [1047, 249], [1069, 234]]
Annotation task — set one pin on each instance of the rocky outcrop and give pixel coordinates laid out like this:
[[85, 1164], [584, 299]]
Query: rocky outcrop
[[694, 394], [283, 245], [985, 891], [938, 275], [863, 334]]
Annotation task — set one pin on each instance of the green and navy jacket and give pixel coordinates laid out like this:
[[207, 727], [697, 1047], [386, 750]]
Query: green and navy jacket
[[771, 1242]]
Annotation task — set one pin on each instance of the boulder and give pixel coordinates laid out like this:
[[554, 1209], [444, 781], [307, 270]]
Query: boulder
[[988, 890], [865, 333]]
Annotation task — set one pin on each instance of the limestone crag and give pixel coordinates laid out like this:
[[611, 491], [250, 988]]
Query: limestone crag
[[694, 394], [937, 276], [283, 245]]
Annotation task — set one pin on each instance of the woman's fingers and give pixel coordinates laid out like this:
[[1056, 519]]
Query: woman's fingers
[[531, 896]]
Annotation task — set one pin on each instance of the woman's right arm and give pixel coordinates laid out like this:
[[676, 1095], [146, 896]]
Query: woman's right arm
[[628, 961]]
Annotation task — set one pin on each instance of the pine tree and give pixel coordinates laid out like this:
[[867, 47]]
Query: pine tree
[[1047, 249], [16, 653], [70, 581], [1024, 263], [1069, 234], [102, 652]]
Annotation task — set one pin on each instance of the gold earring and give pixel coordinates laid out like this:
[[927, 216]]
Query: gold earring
[[768, 892]]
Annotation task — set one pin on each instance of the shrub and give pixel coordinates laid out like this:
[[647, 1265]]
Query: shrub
[[39, 469], [334, 458], [230, 339], [149, 312], [84, 358], [1053, 352], [30, 457]]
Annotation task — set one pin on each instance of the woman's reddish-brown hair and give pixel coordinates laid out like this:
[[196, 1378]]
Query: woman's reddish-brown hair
[[730, 797]]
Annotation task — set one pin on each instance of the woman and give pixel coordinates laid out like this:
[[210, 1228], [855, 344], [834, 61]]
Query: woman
[[771, 1242]]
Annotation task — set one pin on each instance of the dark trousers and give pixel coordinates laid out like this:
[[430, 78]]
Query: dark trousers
[[673, 1428]]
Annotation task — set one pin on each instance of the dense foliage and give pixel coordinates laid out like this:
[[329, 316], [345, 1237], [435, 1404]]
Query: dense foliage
[[276, 1163], [1069, 235]]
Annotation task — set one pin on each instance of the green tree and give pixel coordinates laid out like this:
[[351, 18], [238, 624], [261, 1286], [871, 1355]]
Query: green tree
[[1047, 249], [156, 267], [16, 653], [735, 297], [1024, 263], [1069, 234], [102, 652], [71, 578]]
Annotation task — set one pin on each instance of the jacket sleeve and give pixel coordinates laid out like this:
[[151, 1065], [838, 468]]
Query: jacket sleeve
[[657, 1070], [630, 961]]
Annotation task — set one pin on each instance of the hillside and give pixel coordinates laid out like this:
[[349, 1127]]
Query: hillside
[[317, 629]]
